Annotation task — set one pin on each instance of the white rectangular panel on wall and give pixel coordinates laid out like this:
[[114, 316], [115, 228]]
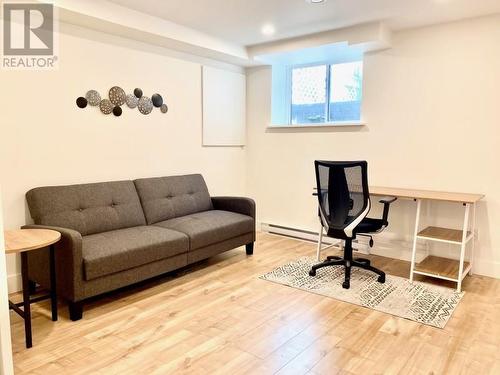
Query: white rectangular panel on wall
[[224, 107]]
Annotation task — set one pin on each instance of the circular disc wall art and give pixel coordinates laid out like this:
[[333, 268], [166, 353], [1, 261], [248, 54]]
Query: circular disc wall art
[[81, 102], [145, 105], [138, 93], [132, 101], [117, 111], [93, 97], [106, 106], [157, 100], [117, 96]]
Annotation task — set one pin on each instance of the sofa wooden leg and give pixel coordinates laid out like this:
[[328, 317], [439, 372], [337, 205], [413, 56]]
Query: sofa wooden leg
[[249, 247], [75, 310]]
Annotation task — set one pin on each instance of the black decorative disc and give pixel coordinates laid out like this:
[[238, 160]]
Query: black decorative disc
[[138, 93], [117, 111], [157, 100], [81, 102]]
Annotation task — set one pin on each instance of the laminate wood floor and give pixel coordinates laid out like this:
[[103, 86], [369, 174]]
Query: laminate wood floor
[[217, 317]]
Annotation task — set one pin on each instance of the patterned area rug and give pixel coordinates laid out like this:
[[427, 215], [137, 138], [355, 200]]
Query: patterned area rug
[[424, 303]]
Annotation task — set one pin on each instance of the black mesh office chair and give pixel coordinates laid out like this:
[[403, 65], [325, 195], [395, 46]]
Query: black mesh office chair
[[344, 202]]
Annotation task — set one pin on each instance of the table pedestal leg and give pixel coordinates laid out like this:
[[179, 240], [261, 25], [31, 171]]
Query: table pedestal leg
[[53, 291], [26, 300]]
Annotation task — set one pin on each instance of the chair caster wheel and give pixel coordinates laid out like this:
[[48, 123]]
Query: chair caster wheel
[[381, 279], [346, 285], [312, 273]]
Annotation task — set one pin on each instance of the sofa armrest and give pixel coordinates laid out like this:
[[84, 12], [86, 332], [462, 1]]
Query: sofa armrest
[[69, 263], [240, 205]]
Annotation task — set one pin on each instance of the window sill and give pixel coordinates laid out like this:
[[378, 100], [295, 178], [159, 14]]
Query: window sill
[[335, 124]]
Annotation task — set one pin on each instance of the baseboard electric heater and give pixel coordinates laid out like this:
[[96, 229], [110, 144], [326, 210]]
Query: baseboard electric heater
[[359, 244]]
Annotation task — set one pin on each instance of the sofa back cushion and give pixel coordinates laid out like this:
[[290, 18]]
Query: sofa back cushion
[[87, 208], [164, 198]]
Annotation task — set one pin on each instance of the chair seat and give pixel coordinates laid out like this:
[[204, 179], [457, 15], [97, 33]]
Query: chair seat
[[369, 225], [209, 227], [123, 249]]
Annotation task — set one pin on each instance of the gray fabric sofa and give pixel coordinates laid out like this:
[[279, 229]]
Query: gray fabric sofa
[[116, 234]]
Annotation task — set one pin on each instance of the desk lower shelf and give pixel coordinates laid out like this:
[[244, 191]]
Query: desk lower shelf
[[441, 268]]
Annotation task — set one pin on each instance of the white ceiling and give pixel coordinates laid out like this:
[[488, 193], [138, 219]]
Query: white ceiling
[[240, 21]]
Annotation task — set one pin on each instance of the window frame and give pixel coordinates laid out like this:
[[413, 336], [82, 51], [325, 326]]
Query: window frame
[[328, 65]]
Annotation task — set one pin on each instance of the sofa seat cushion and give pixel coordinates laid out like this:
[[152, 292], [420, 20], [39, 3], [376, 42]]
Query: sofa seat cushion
[[209, 227], [109, 252]]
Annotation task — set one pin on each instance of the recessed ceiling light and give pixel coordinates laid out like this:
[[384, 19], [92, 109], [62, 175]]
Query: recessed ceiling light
[[268, 29], [315, 1]]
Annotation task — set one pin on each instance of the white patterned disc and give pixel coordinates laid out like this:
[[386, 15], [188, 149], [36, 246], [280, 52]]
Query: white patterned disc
[[132, 101], [93, 97], [145, 105]]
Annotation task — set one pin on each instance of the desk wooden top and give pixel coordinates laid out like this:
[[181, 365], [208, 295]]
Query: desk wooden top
[[426, 194], [19, 240]]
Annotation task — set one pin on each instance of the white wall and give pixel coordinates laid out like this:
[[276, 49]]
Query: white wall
[[431, 104], [45, 139]]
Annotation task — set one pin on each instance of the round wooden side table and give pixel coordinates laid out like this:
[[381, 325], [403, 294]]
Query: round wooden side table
[[21, 241]]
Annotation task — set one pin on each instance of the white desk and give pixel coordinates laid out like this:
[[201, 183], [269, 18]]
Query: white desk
[[441, 268]]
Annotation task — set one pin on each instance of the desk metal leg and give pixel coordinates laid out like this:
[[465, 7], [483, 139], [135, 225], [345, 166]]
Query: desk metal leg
[[53, 290], [473, 238], [414, 250], [462, 247], [26, 299]]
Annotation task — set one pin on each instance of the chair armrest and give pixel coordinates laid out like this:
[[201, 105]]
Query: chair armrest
[[240, 205], [386, 202], [69, 261]]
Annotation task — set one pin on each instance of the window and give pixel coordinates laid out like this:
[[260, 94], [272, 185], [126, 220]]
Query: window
[[326, 93]]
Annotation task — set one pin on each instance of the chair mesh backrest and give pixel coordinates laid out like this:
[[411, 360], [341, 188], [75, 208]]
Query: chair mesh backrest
[[342, 191]]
